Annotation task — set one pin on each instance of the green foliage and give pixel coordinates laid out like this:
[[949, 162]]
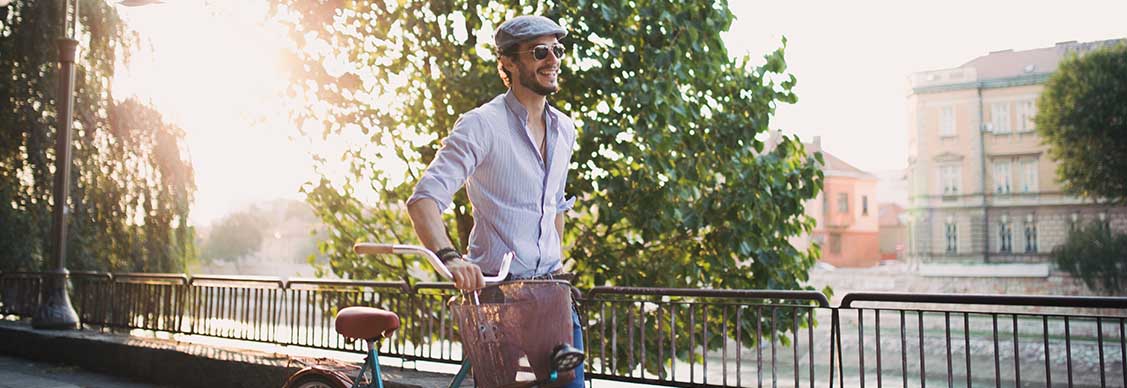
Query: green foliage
[[674, 188], [1082, 117], [1096, 255], [235, 236], [130, 184], [279, 228]]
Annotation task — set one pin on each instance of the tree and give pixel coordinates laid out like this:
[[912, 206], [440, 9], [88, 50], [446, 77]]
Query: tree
[[1096, 255], [1082, 117], [674, 187], [235, 236], [277, 229], [131, 186]]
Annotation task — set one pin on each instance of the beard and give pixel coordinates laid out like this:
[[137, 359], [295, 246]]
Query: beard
[[527, 76]]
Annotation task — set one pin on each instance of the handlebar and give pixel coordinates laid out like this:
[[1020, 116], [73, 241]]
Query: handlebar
[[401, 249]]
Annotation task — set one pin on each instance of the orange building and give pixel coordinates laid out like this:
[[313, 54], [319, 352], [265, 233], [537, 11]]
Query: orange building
[[845, 212]]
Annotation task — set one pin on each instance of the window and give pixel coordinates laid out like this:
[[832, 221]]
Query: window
[[835, 243], [1005, 237], [842, 203], [1029, 175], [952, 237], [947, 121], [1025, 112], [1000, 117], [949, 177], [864, 205], [1030, 235], [1002, 179]]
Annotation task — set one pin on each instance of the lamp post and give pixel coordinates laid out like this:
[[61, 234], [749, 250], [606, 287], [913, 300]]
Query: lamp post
[[55, 311]]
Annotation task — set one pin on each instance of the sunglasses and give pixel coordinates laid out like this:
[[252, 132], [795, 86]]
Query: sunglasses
[[541, 51]]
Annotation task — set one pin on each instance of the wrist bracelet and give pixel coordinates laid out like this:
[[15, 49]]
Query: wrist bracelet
[[447, 254]]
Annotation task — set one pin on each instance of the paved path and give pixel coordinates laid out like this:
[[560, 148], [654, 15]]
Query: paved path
[[20, 373]]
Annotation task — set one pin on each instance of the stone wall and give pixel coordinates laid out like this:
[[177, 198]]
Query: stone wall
[[897, 277]]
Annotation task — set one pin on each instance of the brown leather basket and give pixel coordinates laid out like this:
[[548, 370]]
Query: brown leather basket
[[516, 327]]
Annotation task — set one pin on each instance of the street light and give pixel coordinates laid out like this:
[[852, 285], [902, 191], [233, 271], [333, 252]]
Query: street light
[[55, 312]]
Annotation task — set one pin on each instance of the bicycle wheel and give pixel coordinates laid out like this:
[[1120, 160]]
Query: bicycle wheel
[[316, 381]]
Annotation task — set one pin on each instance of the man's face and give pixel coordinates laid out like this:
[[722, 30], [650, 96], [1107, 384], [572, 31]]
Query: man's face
[[539, 76]]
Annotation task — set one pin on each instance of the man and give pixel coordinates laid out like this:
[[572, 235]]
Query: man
[[512, 154]]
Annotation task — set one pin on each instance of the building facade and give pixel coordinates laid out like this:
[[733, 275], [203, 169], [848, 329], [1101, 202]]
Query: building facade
[[845, 214], [981, 185], [893, 231]]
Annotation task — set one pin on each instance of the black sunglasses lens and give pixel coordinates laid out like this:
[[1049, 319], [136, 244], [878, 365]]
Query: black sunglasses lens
[[540, 52], [558, 50]]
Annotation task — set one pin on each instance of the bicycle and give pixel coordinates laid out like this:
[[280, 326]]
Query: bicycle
[[487, 344]]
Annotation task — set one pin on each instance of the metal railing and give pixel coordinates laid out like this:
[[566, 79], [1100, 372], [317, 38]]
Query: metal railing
[[658, 336], [632, 330], [984, 340]]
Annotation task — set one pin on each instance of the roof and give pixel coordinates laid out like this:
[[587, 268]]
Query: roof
[[1003, 69], [1009, 63], [835, 166]]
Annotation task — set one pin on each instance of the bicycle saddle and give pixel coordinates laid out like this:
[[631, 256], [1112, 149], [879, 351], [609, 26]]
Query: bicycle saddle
[[366, 322]]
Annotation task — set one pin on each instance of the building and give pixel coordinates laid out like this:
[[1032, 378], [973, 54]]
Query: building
[[892, 186], [982, 188], [893, 231], [845, 213]]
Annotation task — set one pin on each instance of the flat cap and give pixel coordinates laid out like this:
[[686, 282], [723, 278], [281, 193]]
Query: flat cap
[[522, 28]]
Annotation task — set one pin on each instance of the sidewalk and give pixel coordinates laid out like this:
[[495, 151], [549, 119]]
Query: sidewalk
[[20, 373], [161, 361]]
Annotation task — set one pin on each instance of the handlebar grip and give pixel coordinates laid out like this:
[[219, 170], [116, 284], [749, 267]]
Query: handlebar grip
[[506, 261], [373, 248]]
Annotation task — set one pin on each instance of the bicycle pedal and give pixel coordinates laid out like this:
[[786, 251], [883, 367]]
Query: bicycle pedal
[[566, 357]]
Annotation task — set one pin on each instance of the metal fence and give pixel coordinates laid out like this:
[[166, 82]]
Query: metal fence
[[983, 340], [658, 336], [750, 326]]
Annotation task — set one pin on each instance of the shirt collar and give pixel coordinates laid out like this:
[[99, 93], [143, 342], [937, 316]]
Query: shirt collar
[[518, 109]]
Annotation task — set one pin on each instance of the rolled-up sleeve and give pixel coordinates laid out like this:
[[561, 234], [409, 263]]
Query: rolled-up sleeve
[[563, 205], [462, 151]]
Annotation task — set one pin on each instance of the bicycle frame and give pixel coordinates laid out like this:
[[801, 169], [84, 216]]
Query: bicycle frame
[[372, 361]]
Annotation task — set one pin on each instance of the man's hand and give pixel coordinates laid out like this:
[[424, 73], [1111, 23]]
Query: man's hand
[[467, 275]]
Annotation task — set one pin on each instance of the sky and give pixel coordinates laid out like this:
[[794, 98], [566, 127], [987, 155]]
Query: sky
[[852, 59], [215, 71]]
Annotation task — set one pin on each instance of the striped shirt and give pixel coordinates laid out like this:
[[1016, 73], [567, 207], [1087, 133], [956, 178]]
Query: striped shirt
[[514, 192]]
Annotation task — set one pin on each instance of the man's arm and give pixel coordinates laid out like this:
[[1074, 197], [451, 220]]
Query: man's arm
[[560, 228], [428, 226], [460, 154]]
